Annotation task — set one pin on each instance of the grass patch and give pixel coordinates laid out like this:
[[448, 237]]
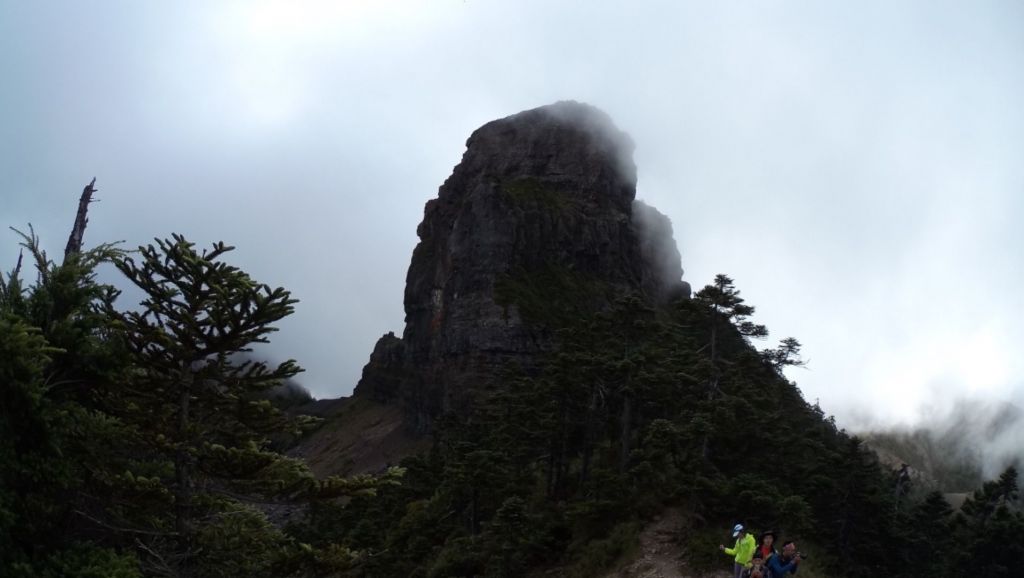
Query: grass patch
[[551, 295], [532, 192]]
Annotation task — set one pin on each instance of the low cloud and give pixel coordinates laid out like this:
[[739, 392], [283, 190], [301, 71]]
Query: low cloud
[[968, 442]]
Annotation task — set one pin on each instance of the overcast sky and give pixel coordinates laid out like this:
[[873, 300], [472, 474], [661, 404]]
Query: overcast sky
[[856, 167]]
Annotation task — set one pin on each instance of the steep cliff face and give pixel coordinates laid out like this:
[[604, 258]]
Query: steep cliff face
[[546, 195]]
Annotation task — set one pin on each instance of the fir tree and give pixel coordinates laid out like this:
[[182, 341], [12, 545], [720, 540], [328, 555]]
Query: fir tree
[[196, 405], [729, 312], [989, 529], [929, 544], [785, 355], [56, 440]]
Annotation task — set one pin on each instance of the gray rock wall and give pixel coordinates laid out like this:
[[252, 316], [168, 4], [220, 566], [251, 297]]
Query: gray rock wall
[[548, 188]]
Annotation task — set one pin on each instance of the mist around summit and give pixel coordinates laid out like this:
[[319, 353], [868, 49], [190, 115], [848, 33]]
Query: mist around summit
[[853, 167]]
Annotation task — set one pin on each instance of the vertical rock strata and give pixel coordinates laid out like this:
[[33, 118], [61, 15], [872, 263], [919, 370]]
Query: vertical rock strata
[[541, 205]]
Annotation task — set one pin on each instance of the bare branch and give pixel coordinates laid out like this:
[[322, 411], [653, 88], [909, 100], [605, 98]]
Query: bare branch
[[121, 529], [248, 499], [161, 566]]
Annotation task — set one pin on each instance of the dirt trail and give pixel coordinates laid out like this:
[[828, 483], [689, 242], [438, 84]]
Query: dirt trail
[[660, 554]]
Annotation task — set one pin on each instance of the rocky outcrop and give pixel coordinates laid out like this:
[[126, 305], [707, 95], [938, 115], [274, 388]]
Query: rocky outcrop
[[546, 195], [660, 254]]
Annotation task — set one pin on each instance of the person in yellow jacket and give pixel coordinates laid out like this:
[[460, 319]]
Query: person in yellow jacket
[[743, 551]]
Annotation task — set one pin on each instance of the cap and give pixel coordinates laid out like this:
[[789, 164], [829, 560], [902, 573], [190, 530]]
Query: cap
[[736, 530]]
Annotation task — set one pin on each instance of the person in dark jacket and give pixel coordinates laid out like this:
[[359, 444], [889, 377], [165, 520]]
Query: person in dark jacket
[[765, 547], [788, 562]]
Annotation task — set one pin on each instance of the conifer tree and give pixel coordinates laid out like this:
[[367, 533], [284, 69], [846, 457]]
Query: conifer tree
[[929, 542], [142, 435], [991, 496], [785, 355], [989, 529], [861, 506], [725, 302], [195, 403], [1007, 488], [728, 311], [55, 363]]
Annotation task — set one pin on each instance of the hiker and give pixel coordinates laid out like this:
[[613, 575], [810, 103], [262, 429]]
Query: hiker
[[757, 568], [742, 551], [765, 548], [785, 563]]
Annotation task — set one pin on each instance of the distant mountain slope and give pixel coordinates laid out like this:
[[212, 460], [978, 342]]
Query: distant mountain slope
[[955, 453], [358, 436]]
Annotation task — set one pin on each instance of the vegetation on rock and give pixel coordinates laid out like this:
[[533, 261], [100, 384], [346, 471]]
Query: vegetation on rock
[[135, 443], [641, 408]]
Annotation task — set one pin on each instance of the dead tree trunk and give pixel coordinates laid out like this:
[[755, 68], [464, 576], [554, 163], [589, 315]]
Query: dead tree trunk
[[17, 266], [74, 245]]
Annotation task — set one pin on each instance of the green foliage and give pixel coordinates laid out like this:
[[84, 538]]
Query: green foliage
[[54, 358], [785, 355], [702, 543], [85, 560], [558, 468], [989, 528], [596, 557], [550, 295], [532, 193], [929, 538], [137, 442], [725, 303], [191, 403], [28, 450]]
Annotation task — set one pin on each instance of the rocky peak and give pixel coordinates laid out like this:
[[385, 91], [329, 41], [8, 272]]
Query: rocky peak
[[566, 142], [542, 201]]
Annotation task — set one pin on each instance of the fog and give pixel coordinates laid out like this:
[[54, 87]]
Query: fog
[[961, 445], [855, 167]]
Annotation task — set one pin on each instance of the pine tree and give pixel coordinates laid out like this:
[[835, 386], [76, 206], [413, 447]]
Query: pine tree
[[723, 298], [56, 440], [144, 433], [990, 530], [929, 544], [195, 403], [785, 355], [1007, 489], [859, 509], [728, 312], [991, 496]]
